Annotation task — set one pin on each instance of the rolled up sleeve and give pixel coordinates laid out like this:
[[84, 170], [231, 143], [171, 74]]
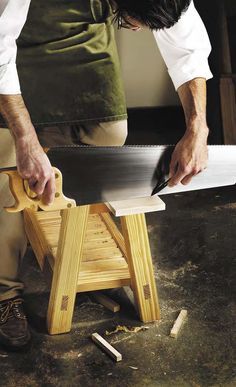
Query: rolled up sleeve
[[13, 14], [185, 48]]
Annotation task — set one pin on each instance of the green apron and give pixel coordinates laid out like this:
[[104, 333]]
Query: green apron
[[68, 63]]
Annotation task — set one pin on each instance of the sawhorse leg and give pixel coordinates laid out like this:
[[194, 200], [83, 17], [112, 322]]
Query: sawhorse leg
[[140, 265], [66, 269]]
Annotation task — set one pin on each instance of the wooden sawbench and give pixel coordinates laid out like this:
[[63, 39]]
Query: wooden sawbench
[[82, 249]]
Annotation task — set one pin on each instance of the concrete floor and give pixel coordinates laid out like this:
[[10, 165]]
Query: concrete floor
[[193, 244]]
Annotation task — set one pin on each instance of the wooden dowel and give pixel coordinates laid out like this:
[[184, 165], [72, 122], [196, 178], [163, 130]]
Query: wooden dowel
[[178, 323], [111, 351], [106, 301]]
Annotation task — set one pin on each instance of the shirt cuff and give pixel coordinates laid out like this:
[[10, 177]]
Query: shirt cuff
[[9, 81], [194, 68]]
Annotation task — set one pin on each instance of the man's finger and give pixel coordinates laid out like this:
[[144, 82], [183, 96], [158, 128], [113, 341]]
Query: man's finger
[[187, 179], [173, 167], [178, 176], [37, 186], [49, 191], [32, 183]]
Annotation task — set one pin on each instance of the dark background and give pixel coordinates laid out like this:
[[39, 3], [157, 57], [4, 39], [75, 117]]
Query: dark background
[[171, 119]]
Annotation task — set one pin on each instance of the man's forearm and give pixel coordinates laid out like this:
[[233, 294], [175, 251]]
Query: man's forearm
[[32, 163], [193, 98], [190, 154], [14, 111]]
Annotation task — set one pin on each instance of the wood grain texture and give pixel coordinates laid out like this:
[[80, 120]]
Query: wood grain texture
[[16, 186], [102, 343], [98, 208], [106, 301], [115, 232], [25, 198], [101, 274], [86, 252], [136, 206], [178, 323], [36, 236], [103, 264], [66, 269], [140, 266]]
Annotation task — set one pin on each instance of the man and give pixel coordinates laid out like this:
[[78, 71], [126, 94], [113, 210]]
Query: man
[[92, 103]]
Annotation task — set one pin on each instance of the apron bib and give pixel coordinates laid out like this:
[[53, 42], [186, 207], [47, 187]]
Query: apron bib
[[68, 63]]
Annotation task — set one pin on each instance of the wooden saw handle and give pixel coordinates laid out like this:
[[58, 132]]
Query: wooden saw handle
[[24, 198]]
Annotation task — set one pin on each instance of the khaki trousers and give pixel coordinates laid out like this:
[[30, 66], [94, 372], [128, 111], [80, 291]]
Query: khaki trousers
[[13, 241]]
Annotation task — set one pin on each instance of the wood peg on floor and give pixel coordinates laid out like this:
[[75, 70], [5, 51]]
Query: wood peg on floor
[[178, 323], [102, 343], [106, 301]]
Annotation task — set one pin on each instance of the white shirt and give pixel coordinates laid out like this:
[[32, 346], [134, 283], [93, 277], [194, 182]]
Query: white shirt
[[185, 47]]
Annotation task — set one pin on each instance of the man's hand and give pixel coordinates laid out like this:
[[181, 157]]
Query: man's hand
[[189, 157], [33, 165]]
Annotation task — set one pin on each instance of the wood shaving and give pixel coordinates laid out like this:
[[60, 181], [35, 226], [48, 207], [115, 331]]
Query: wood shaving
[[123, 328]]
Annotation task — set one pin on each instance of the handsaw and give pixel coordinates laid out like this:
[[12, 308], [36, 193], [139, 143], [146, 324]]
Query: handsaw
[[103, 174]]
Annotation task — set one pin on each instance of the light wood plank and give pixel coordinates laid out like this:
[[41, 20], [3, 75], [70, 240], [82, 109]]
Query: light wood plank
[[103, 265], [51, 229], [136, 206], [103, 274], [97, 244], [102, 343], [96, 226], [106, 301], [115, 232], [107, 283], [44, 215], [140, 266], [96, 254], [101, 253], [178, 323], [97, 235], [66, 269], [36, 237], [98, 208]]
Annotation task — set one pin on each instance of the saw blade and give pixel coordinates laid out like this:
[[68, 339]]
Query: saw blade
[[101, 174]]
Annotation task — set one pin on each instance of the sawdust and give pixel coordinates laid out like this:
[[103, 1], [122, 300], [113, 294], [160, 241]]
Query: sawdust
[[69, 355], [170, 275], [228, 206], [214, 236], [123, 328], [120, 340], [151, 228], [86, 324]]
